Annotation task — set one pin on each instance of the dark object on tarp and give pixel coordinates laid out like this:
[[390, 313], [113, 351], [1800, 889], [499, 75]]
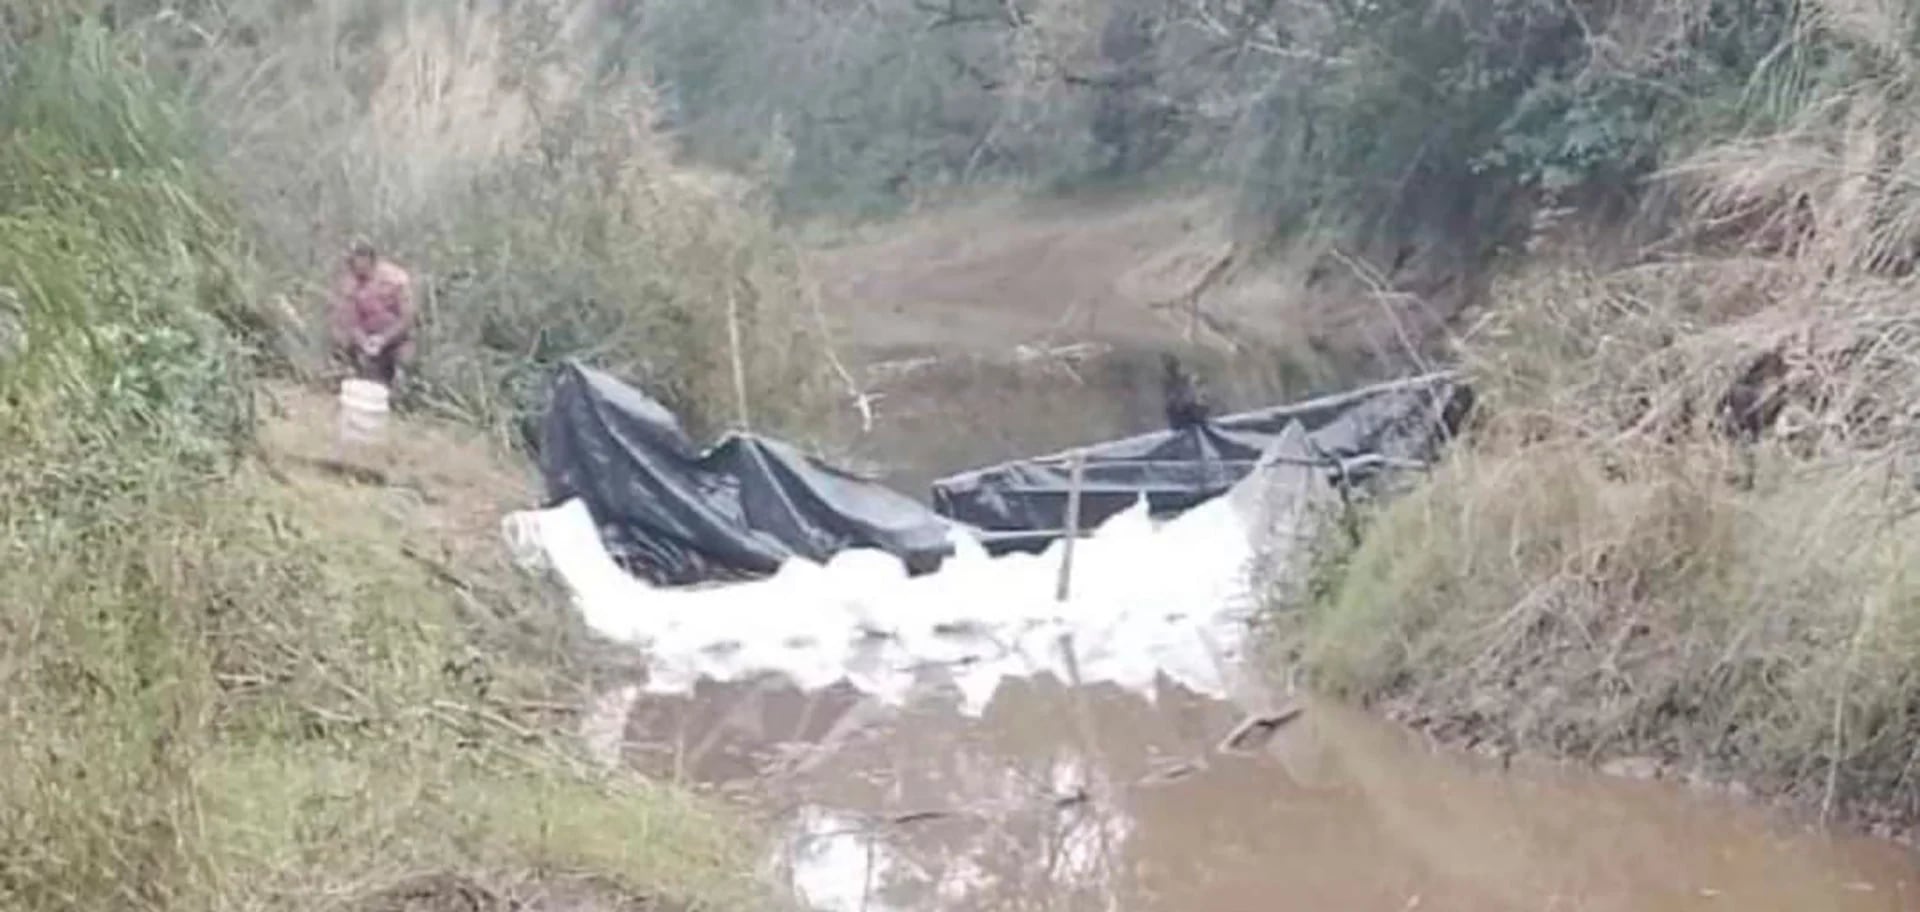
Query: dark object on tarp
[[1022, 505], [676, 516], [1180, 394]]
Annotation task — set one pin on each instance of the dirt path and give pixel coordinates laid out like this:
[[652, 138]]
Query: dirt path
[[459, 481]]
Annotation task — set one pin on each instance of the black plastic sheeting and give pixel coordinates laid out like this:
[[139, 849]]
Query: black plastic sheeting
[[676, 516], [1023, 504]]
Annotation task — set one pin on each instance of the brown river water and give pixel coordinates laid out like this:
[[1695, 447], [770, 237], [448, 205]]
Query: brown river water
[[1059, 798]]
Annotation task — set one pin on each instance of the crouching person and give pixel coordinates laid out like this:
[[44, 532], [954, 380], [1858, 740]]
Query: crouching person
[[373, 316]]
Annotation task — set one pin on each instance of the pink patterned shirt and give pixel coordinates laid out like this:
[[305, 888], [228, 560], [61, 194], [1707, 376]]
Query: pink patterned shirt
[[381, 305]]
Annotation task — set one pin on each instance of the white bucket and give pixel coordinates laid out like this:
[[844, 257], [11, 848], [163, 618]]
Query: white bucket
[[364, 405]]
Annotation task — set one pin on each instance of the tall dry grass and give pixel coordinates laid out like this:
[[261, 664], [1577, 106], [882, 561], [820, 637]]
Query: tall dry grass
[[501, 153], [1684, 528]]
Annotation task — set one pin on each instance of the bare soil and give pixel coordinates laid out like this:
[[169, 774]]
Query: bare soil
[[458, 482]]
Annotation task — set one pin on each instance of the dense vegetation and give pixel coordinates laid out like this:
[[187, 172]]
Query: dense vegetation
[[1384, 152], [223, 689], [1682, 529], [1388, 117], [532, 199]]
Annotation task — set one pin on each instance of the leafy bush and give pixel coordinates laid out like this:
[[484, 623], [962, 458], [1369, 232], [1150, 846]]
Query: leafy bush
[[122, 275], [625, 266], [1448, 124]]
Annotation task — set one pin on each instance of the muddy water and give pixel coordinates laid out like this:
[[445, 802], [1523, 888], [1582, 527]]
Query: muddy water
[[1098, 799]]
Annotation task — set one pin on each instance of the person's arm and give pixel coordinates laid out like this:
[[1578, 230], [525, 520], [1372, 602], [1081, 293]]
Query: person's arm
[[397, 289], [404, 311], [340, 315]]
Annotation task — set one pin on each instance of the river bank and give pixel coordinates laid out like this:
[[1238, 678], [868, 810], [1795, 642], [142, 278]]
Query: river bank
[[1677, 539], [1086, 754]]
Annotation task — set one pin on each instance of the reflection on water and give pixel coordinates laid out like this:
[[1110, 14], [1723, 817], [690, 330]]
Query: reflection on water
[[1098, 799], [835, 859]]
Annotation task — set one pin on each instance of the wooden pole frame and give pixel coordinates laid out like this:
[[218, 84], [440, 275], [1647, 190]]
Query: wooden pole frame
[[1077, 477]]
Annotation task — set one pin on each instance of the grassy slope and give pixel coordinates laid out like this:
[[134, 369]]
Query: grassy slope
[[286, 702], [1600, 572], [228, 681], [1608, 568], [253, 697]]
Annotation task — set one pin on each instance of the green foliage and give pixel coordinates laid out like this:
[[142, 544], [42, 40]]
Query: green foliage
[[1681, 528], [523, 187], [844, 110], [1560, 137], [1447, 123], [117, 267], [1390, 122], [859, 112], [623, 267]]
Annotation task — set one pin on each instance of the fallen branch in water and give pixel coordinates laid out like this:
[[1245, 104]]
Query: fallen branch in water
[[1255, 731]]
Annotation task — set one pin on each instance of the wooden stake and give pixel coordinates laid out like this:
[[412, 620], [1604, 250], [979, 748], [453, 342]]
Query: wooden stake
[[739, 359], [1073, 525]]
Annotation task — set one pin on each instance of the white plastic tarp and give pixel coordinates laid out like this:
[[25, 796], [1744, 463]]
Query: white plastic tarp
[[1147, 600]]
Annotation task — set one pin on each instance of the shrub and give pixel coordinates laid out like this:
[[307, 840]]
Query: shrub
[[650, 276], [124, 281], [522, 183]]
